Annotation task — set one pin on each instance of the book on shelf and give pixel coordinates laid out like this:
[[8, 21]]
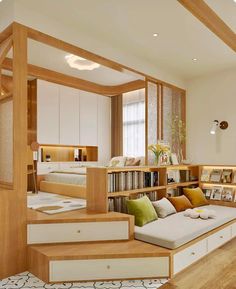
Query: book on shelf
[[205, 176], [184, 176], [215, 176], [173, 176], [234, 177], [227, 194], [131, 180], [216, 193], [226, 176]]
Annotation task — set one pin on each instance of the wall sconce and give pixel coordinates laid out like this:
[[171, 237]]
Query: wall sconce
[[222, 125]]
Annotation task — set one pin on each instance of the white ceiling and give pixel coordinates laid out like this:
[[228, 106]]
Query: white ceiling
[[129, 26], [54, 59]]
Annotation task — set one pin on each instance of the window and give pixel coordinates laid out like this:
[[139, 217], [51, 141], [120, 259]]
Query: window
[[134, 123]]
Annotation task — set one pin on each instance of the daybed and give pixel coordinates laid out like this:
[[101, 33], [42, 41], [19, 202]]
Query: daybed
[[177, 230]]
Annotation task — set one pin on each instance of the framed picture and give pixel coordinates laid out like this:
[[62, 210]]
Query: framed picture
[[165, 157]]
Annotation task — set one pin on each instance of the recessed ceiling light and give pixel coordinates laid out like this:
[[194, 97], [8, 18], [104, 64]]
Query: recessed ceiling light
[[80, 63], [234, 1], [194, 59], [155, 34]]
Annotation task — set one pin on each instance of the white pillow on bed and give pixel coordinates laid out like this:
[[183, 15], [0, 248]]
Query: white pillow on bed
[[164, 208]]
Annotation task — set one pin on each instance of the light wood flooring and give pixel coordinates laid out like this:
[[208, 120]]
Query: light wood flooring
[[215, 271]]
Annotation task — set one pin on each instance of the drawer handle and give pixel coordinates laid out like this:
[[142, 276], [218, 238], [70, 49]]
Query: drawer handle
[[193, 253], [78, 231], [221, 237], [108, 266]]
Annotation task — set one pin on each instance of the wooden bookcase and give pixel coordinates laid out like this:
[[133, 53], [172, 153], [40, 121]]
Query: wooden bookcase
[[209, 184], [97, 184]]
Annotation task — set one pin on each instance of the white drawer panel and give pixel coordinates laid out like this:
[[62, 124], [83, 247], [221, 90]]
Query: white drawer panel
[[219, 238], [45, 168], [189, 255], [234, 230], [100, 269], [77, 232]]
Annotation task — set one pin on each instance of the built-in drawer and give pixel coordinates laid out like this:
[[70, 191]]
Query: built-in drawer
[[189, 255], [219, 238], [105, 269], [45, 168], [77, 232], [233, 227]]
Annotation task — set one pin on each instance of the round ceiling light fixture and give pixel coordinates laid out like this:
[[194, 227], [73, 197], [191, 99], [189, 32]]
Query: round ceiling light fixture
[[155, 34], [194, 59], [80, 63]]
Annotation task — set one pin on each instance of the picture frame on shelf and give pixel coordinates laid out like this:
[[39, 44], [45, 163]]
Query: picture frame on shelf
[[227, 194], [216, 193], [226, 176], [215, 176]]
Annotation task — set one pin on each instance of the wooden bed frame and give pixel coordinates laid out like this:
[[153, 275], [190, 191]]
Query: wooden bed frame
[[74, 191]]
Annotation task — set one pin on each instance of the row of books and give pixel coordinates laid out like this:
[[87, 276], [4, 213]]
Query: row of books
[[118, 204], [175, 192], [225, 176], [131, 180], [220, 193]]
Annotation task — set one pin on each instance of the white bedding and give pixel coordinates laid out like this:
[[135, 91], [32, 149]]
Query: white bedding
[[75, 176], [176, 230]]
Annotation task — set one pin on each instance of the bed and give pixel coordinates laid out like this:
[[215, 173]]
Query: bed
[[177, 230], [69, 182]]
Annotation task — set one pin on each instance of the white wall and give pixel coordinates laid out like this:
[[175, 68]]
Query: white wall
[[209, 98], [6, 13]]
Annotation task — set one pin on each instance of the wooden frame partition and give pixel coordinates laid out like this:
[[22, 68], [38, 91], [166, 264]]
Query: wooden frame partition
[[13, 200]]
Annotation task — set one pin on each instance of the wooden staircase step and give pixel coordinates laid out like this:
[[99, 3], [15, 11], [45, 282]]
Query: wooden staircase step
[[98, 261]]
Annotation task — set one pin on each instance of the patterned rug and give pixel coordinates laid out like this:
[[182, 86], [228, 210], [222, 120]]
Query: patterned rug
[[27, 281]]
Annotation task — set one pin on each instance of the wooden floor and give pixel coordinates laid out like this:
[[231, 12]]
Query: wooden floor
[[215, 271]]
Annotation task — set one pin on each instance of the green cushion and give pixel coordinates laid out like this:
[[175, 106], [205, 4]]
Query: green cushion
[[143, 211]]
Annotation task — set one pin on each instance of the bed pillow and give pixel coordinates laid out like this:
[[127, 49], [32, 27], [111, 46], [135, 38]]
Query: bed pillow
[[196, 197], [117, 162], [180, 203], [164, 208], [132, 162], [143, 211]]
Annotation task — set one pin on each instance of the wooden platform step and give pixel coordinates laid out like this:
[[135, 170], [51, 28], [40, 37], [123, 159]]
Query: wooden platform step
[[98, 261], [78, 226]]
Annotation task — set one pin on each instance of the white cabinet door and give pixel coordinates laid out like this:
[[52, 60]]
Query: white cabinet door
[[47, 112], [88, 118], [69, 115], [104, 129]]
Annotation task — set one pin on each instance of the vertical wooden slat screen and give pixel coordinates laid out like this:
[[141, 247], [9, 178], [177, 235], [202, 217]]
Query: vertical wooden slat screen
[[116, 126]]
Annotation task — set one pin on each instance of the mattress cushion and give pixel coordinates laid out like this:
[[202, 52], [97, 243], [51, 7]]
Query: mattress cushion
[[177, 230]]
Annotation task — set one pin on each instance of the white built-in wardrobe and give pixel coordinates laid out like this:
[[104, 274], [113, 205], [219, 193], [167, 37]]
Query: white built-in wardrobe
[[69, 116]]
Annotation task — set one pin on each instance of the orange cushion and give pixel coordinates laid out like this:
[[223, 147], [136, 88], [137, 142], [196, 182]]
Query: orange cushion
[[180, 203], [196, 197]]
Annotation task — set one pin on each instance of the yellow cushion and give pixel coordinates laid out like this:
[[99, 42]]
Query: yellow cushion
[[180, 203], [196, 197]]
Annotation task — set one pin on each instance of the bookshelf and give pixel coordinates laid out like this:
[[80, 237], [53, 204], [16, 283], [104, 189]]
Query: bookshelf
[[106, 184], [219, 181]]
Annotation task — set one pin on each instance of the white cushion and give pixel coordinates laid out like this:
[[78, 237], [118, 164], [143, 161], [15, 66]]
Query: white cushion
[[117, 161], [164, 208]]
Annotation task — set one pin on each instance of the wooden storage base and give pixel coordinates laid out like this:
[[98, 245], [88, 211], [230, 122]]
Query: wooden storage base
[[78, 226], [106, 261]]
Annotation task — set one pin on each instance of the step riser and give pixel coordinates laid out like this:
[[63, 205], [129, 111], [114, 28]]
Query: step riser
[[78, 232]]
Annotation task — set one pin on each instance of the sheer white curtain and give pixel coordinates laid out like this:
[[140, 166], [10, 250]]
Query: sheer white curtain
[[134, 123]]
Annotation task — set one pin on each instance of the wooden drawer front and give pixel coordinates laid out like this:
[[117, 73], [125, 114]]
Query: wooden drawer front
[[105, 269], [77, 232], [234, 230], [189, 255], [219, 238]]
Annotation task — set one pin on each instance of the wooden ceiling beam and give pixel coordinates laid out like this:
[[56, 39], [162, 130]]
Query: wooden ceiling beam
[[63, 79], [210, 19], [5, 48]]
